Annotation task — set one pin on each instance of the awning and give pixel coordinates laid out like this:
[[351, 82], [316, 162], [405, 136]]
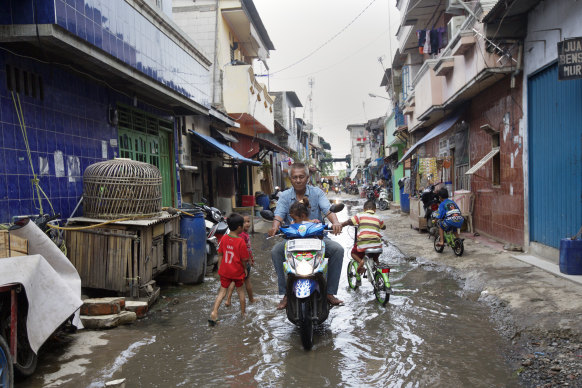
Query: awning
[[377, 162], [223, 148], [439, 129], [224, 136], [226, 119], [485, 159]]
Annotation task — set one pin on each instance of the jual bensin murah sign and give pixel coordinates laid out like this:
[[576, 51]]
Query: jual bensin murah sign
[[570, 59]]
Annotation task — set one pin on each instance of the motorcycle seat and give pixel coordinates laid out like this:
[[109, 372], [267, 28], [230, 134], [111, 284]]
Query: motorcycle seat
[[373, 251]]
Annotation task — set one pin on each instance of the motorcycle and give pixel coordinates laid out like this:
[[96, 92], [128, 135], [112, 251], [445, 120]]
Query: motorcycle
[[216, 227], [306, 269], [430, 203], [383, 199]]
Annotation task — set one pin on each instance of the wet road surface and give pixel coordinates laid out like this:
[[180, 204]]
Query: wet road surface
[[432, 333]]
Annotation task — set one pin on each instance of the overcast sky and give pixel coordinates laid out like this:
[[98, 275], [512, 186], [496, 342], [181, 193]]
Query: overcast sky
[[344, 71]]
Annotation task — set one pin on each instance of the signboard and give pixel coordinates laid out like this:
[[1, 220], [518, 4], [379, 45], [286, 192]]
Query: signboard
[[570, 59]]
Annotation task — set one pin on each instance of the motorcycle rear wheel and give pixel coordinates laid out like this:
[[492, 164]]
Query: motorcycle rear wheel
[[382, 294], [6, 368], [305, 323], [459, 247], [353, 274], [382, 204], [438, 248]]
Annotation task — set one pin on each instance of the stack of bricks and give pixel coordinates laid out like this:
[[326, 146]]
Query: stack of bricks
[[106, 313]]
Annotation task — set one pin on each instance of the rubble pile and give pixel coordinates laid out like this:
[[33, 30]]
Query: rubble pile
[[107, 313]]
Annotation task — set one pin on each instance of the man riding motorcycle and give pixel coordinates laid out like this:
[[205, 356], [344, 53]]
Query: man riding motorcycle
[[299, 174]]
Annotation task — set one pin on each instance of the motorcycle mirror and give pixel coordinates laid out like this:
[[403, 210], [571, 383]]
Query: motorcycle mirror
[[267, 215], [336, 207]]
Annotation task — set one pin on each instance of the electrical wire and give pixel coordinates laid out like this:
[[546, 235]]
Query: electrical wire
[[322, 45], [338, 62]]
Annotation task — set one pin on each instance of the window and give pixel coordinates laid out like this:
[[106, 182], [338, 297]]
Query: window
[[496, 167], [24, 82]]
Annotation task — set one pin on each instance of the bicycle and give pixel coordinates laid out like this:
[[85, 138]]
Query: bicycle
[[451, 240], [377, 274]]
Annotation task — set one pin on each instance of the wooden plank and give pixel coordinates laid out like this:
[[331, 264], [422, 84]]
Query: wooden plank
[[159, 229], [134, 265], [11, 245]]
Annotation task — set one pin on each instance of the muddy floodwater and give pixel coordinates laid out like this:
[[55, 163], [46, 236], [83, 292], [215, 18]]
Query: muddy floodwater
[[432, 333]]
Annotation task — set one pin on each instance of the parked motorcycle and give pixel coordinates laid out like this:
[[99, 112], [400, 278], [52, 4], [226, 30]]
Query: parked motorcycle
[[216, 227], [430, 203], [383, 199], [306, 269]]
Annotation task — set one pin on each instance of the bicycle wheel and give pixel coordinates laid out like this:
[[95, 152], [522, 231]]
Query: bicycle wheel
[[382, 294], [459, 247], [438, 248], [353, 274]]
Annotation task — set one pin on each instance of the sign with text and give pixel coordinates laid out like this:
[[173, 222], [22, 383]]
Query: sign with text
[[570, 59]]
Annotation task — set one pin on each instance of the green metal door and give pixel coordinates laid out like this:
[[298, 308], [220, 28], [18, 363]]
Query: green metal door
[[146, 138], [165, 167]]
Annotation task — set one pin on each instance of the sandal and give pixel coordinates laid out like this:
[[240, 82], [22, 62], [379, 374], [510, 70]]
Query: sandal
[[332, 300], [282, 304]]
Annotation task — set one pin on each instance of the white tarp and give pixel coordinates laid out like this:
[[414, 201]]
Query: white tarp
[[40, 244], [50, 299], [354, 173]]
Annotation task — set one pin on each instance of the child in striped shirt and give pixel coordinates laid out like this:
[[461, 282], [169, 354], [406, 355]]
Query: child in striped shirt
[[369, 236]]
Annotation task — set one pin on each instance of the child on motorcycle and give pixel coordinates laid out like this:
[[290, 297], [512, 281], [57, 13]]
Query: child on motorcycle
[[369, 236], [232, 257], [299, 212], [248, 286], [448, 215]]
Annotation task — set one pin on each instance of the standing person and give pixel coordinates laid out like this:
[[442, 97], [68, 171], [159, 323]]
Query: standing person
[[232, 256], [319, 205], [369, 236], [248, 285]]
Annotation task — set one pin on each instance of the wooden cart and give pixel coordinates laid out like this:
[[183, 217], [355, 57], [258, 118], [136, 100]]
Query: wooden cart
[[125, 256]]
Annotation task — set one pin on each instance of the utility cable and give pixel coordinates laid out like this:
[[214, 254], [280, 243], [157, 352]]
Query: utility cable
[[322, 45]]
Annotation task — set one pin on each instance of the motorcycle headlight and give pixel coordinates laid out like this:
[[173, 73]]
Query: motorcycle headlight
[[304, 267]]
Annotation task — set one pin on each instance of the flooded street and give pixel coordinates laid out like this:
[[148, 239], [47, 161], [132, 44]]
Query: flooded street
[[432, 333]]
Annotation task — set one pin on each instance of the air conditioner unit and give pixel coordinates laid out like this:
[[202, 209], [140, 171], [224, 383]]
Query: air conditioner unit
[[455, 7], [454, 26]]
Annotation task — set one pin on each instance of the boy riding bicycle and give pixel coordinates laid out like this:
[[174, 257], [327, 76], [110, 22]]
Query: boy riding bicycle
[[369, 236], [448, 216]]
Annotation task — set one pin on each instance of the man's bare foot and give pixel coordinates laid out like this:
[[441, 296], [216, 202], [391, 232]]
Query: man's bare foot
[[283, 303], [254, 300], [213, 319], [227, 303], [333, 300]]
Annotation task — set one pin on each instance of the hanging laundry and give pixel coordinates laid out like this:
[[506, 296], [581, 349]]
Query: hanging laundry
[[442, 37], [421, 35], [434, 42], [427, 42]]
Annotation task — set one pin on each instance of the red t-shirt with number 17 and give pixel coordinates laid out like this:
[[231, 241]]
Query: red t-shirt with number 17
[[234, 252]]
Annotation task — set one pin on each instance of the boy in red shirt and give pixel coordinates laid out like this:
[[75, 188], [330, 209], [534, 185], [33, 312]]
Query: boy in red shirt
[[232, 257], [248, 285]]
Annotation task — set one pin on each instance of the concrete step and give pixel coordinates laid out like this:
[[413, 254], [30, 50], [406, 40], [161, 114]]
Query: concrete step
[[103, 306]]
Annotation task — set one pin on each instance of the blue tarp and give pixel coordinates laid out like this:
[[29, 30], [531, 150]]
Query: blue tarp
[[224, 148], [439, 129]]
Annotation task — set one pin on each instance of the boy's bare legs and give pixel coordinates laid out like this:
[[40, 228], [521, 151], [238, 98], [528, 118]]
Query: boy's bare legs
[[359, 261], [229, 294], [241, 296], [217, 302], [249, 288]]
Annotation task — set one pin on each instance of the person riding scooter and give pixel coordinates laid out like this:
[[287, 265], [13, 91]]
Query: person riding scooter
[[299, 175], [448, 215]]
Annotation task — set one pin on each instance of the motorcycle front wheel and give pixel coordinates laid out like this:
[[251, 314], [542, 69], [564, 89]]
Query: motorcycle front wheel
[[437, 239], [459, 247], [380, 291], [305, 323], [353, 274]]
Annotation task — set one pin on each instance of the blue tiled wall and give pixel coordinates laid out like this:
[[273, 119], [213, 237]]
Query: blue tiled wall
[[120, 30], [72, 119]]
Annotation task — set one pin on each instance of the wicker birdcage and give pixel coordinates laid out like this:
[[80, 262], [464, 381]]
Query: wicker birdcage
[[121, 188]]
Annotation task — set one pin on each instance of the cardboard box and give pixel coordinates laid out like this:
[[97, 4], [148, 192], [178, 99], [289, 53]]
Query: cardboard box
[[11, 245]]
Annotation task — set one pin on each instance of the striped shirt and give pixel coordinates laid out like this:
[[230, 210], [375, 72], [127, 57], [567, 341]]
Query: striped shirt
[[369, 235]]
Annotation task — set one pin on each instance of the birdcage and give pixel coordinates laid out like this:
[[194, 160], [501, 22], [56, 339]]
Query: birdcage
[[122, 188]]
